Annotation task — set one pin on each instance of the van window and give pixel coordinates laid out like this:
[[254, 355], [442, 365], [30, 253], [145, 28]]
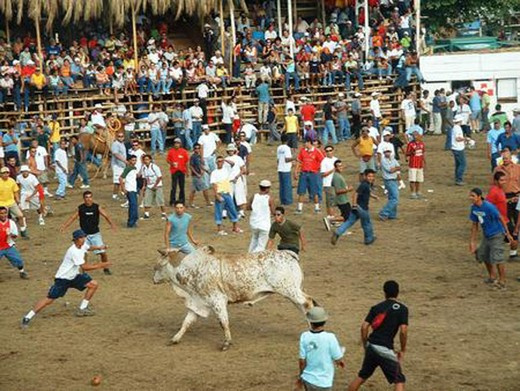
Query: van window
[[507, 91]]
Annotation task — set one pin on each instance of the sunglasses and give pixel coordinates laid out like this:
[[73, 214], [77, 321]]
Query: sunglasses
[[328, 150]]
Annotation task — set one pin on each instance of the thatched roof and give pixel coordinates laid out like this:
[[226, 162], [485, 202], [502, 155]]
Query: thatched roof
[[73, 11]]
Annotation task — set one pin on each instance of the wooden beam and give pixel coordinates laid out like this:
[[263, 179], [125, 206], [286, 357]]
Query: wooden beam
[[134, 36], [222, 30]]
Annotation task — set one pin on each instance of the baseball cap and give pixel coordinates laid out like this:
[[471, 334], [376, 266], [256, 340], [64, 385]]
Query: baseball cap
[[317, 315], [24, 168], [231, 147], [375, 93], [79, 233], [177, 140], [387, 132], [205, 127], [4, 169], [307, 123], [265, 183]]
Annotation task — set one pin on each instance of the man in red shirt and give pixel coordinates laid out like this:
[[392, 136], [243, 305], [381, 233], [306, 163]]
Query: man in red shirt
[[178, 159], [308, 111], [497, 197], [416, 162], [308, 174], [8, 232]]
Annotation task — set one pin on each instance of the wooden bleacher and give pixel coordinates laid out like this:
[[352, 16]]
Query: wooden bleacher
[[70, 108]]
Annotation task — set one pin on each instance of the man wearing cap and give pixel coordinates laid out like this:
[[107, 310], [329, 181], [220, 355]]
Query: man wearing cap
[[390, 169], [319, 352], [236, 168], [375, 109], [209, 142], [307, 173], [415, 152], [9, 232], [178, 160], [458, 147], [261, 205], [30, 189], [72, 274], [492, 248], [385, 319], [220, 181]]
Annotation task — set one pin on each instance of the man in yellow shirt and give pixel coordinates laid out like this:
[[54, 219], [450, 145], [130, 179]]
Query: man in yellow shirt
[[55, 128], [10, 198], [38, 82], [291, 129]]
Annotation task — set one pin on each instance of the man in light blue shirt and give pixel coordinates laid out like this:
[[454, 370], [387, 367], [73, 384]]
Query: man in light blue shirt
[[319, 351], [178, 230], [492, 149], [390, 169], [264, 97]]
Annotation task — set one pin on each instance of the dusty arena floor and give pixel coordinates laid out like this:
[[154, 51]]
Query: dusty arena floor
[[462, 335]]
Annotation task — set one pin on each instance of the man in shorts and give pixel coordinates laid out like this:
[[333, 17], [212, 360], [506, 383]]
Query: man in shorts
[[178, 230], [118, 162], [340, 190], [9, 232], [72, 274], [153, 193], [88, 214], [307, 173], [385, 319], [492, 248], [200, 172], [10, 198], [416, 162], [30, 192]]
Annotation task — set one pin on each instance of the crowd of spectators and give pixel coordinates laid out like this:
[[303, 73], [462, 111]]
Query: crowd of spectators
[[314, 54]]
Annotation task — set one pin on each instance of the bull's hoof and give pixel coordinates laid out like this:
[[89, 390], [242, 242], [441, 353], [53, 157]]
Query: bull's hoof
[[226, 345], [172, 342]]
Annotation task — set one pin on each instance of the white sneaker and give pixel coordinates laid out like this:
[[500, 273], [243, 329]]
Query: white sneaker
[[84, 187], [141, 205], [125, 205], [41, 221], [402, 185], [115, 197], [222, 233], [70, 186]]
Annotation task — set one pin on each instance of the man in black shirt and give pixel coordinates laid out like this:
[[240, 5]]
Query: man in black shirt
[[360, 200], [385, 319], [88, 214], [330, 129]]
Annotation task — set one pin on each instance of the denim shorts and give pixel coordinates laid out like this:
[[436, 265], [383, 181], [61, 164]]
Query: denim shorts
[[95, 240], [309, 181], [62, 285]]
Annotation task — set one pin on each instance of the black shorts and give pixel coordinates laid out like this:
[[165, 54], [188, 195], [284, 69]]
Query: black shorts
[[292, 140], [345, 210], [61, 285], [391, 368], [140, 184]]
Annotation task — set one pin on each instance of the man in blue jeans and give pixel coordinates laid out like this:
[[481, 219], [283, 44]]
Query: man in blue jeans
[[128, 183], [360, 201], [390, 169], [329, 129], [285, 158], [458, 147]]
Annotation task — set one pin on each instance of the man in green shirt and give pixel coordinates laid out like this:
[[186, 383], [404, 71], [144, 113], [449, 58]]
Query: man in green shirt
[[291, 235], [341, 199]]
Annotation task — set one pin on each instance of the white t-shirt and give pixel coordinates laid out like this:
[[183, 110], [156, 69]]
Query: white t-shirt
[[61, 156], [386, 145], [270, 35], [234, 171], [202, 90], [209, 144], [157, 120], [327, 164], [39, 157], [219, 175], [150, 175], [98, 119], [374, 106], [248, 129], [456, 131], [465, 111], [196, 113], [228, 113], [138, 153], [283, 152], [131, 180], [408, 107], [71, 265], [374, 133], [27, 185]]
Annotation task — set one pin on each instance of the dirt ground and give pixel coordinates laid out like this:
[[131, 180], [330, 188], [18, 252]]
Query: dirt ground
[[463, 336]]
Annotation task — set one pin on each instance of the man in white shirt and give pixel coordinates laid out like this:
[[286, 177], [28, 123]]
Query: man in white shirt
[[118, 161], [285, 158], [261, 206], [71, 274], [408, 108], [458, 149], [217, 58], [250, 131], [209, 143], [375, 109], [270, 33], [197, 115], [237, 175], [61, 166], [153, 193], [158, 121], [97, 118], [385, 144], [37, 158], [128, 183], [327, 171], [29, 189]]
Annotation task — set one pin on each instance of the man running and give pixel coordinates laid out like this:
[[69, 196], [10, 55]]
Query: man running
[[9, 232]]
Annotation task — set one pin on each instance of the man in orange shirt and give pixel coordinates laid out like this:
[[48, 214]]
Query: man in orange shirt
[[308, 174], [178, 159], [308, 111]]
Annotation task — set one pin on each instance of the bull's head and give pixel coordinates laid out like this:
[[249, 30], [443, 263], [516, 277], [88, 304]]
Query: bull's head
[[161, 272]]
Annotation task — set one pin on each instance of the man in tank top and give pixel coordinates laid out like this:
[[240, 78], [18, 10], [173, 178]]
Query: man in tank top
[[261, 206]]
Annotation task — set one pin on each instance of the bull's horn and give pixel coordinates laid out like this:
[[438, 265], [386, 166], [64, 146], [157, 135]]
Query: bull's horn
[[166, 252]]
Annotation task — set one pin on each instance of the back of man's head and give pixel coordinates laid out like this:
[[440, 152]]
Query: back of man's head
[[391, 289]]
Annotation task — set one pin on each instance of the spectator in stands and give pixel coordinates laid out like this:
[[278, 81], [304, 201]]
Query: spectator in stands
[[375, 109], [341, 111]]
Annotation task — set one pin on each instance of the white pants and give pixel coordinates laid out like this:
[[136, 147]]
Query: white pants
[[239, 190], [409, 121], [259, 239], [437, 123]]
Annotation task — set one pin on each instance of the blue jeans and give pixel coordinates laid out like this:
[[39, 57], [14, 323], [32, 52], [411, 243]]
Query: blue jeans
[[344, 128], [389, 211], [494, 157], [131, 196], [358, 214], [286, 197], [460, 165], [210, 163], [359, 77], [144, 85], [228, 204], [93, 159], [81, 170], [329, 129], [62, 183], [447, 143], [13, 256], [294, 75], [413, 71], [157, 139], [196, 131]]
